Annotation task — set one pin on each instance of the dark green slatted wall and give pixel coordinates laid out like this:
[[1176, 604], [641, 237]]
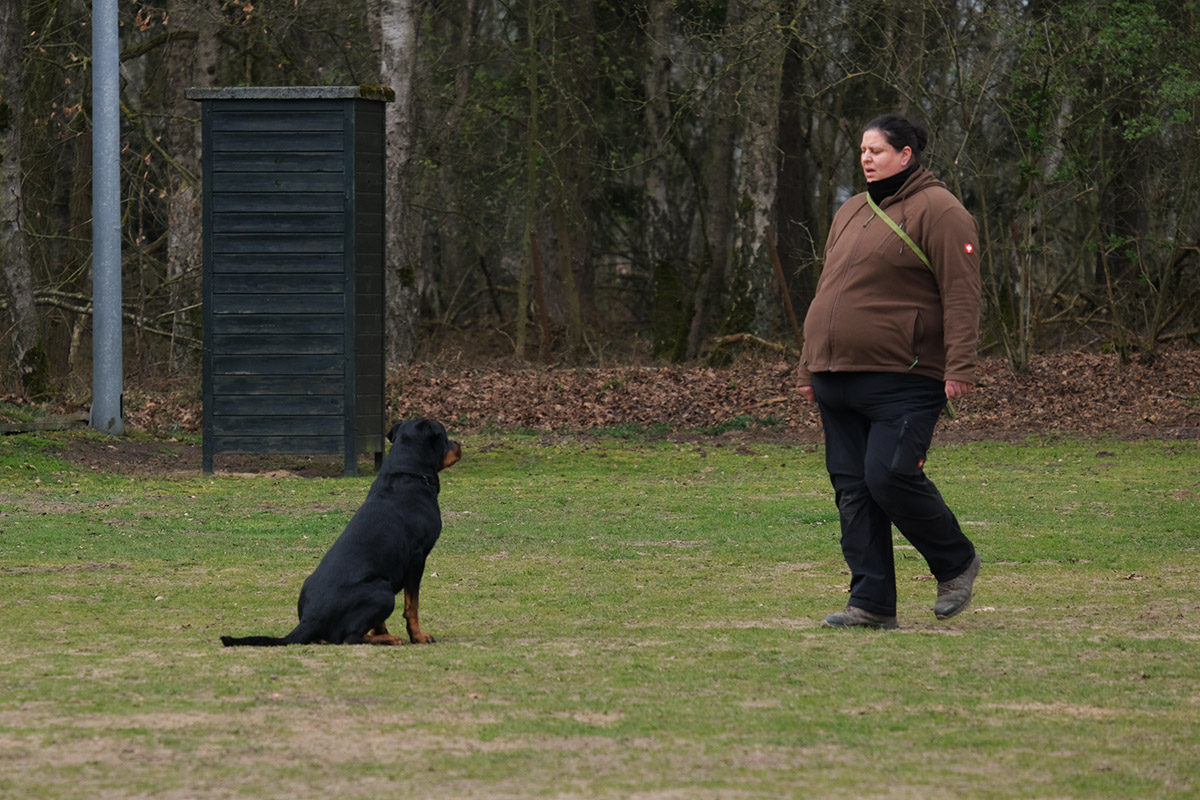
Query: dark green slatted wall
[[293, 272]]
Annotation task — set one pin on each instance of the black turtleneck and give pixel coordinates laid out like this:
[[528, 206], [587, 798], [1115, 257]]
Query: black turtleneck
[[882, 189]]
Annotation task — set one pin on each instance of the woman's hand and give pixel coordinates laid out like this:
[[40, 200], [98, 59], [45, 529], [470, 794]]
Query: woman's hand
[[955, 389], [809, 395]]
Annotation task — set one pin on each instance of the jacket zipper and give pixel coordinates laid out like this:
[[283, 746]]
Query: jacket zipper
[[837, 299], [917, 333]]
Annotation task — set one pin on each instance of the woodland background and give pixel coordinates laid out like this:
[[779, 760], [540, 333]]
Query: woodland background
[[592, 182]]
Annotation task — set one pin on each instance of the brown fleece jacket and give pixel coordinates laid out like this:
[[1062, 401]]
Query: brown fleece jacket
[[878, 308]]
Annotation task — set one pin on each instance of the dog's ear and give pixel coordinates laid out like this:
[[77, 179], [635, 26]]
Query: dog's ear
[[435, 434], [391, 435], [431, 429]]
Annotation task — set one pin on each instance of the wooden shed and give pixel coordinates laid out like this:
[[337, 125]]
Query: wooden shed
[[293, 183]]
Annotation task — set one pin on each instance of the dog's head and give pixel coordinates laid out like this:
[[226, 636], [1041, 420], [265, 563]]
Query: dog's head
[[423, 442]]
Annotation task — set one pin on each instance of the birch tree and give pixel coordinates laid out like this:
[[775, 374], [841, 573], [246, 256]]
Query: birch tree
[[397, 24], [760, 64]]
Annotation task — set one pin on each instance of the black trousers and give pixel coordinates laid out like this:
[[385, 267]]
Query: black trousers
[[878, 428]]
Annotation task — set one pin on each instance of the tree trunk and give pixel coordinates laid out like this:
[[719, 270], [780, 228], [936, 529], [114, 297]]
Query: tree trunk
[[15, 275], [532, 158], [574, 66], [398, 40], [758, 170], [716, 219], [669, 282], [798, 185], [191, 62]]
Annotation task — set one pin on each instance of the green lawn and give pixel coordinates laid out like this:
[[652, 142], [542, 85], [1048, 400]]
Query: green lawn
[[616, 618]]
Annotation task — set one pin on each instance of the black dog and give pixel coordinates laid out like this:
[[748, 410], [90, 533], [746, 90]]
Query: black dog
[[353, 590]]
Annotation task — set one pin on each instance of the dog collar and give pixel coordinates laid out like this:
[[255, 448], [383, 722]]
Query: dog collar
[[426, 478]]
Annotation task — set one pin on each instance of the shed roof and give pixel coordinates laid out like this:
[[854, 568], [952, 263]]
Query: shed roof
[[383, 94]]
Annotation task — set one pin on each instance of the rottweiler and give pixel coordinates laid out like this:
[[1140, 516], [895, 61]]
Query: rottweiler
[[382, 551]]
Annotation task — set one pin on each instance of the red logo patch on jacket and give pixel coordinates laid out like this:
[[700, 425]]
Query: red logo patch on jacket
[[968, 248]]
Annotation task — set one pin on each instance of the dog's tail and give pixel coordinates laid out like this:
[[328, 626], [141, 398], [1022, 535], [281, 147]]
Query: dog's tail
[[299, 635], [253, 641]]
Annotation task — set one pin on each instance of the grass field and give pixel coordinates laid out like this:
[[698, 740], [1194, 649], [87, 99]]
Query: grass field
[[616, 618]]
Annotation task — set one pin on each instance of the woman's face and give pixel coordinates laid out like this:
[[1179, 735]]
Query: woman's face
[[879, 159]]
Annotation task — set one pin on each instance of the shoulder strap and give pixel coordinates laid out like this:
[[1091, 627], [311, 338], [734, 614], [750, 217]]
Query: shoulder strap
[[899, 231]]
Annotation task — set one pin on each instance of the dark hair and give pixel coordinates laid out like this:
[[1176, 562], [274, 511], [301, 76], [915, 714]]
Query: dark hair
[[900, 132]]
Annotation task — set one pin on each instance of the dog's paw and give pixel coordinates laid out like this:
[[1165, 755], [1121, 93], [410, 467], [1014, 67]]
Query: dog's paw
[[421, 638], [386, 639]]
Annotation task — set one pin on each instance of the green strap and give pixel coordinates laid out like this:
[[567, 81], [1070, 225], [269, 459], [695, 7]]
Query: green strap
[[899, 232]]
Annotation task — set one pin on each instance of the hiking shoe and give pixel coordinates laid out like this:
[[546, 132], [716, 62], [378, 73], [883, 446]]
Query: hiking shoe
[[855, 617], [955, 594]]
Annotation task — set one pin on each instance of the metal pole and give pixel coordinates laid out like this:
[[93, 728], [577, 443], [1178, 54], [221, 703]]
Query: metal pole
[[107, 366]]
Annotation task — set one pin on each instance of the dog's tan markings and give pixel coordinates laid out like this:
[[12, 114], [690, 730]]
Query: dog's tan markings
[[452, 455], [415, 634], [379, 635]]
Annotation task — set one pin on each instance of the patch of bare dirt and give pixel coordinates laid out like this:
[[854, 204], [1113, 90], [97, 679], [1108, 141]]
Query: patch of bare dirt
[[171, 456]]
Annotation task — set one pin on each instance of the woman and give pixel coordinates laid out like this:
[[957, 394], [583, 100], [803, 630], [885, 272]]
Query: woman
[[891, 334]]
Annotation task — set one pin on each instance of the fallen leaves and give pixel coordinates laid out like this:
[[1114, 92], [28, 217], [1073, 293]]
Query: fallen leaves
[[1084, 393]]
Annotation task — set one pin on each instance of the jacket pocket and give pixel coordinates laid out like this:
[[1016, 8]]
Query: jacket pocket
[[918, 337], [890, 246], [887, 239]]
